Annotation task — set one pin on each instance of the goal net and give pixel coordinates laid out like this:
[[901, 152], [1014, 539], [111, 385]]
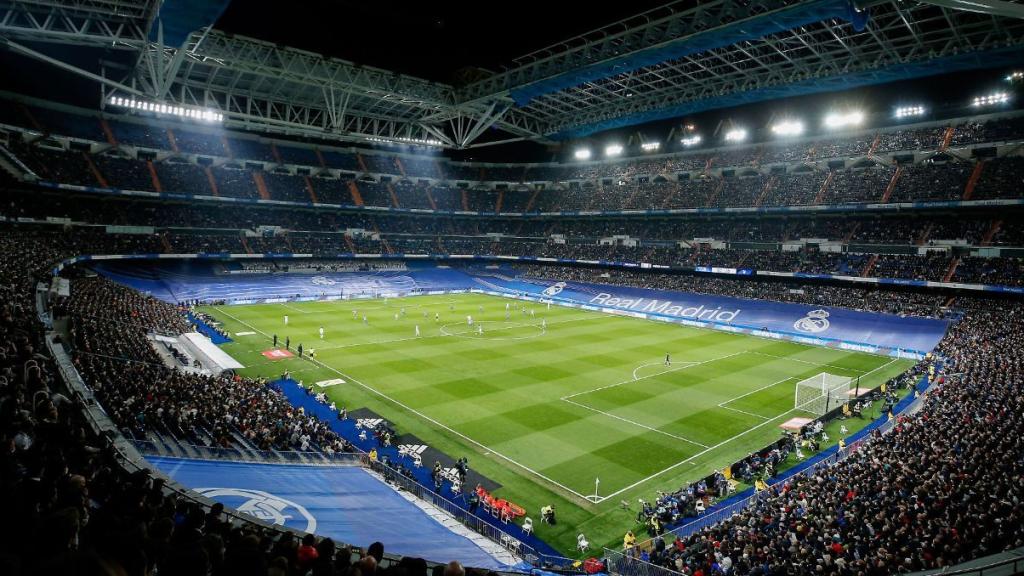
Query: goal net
[[822, 393]]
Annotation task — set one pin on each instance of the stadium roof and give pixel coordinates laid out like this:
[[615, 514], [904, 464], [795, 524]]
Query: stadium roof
[[674, 60]]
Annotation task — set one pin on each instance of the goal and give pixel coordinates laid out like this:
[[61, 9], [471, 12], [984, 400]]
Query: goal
[[822, 393]]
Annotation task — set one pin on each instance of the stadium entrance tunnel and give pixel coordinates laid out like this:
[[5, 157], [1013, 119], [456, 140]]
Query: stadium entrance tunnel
[[494, 330]]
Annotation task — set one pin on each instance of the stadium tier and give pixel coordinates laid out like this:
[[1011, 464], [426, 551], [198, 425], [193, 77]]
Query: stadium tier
[[620, 306]]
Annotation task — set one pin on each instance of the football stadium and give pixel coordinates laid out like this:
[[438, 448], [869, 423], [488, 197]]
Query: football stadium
[[702, 287]]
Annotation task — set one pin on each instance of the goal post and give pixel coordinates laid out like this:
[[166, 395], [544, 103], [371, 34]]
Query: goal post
[[822, 393]]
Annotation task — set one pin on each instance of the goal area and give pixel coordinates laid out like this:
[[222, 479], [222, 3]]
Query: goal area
[[822, 393]]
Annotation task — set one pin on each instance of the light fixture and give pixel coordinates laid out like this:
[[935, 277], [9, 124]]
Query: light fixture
[[1015, 76], [582, 154], [788, 128], [613, 150], [991, 99], [161, 108], [736, 135], [405, 140], [907, 111], [650, 146], [690, 140], [844, 119]]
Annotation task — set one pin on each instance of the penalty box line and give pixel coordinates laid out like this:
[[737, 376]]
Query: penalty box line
[[570, 400], [720, 444], [588, 498]]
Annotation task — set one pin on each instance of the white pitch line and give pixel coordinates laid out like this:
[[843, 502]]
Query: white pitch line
[[719, 445], [634, 423], [423, 416], [758, 390], [691, 365], [682, 365], [290, 307], [805, 361], [744, 412]]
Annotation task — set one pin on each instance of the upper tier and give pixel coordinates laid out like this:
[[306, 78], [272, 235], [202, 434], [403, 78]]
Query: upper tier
[[939, 162]]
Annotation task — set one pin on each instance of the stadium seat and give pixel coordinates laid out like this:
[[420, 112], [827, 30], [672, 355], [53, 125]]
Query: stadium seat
[[700, 507], [527, 525], [581, 543]]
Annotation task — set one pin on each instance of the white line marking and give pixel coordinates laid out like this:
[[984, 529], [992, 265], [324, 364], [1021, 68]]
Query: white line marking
[[591, 497], [719, 445], [682, 365], [628, 421], [423, 416], [290, 307], [744, 412], [805, 361], [634, 379], [758, 390]]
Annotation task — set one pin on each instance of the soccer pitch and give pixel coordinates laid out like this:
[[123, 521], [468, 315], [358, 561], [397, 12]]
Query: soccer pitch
[[548, 401]]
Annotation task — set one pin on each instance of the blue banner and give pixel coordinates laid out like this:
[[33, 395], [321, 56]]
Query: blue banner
[[345, 503]]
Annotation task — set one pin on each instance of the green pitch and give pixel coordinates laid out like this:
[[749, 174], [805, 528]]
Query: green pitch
[[547, 402]]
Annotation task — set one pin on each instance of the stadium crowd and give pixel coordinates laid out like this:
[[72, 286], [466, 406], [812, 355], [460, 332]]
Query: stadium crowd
[[76, 506], [926, 495], [910, 499]]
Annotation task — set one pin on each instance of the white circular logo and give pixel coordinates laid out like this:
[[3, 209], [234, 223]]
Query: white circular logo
[[264, 506], [323, 281], [815, 321], [554, 289]]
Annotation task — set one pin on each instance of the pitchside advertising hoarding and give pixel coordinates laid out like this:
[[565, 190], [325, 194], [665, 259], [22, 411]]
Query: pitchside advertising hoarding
[[851, 327]]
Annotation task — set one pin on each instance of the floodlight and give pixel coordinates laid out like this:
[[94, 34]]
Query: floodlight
[[788, 128], [1015, 76], [690, 140], [613, 150], [650, 146], [582, 154], [991, 99], [844, 119], [907, 111], [736, 135], [161, 108]]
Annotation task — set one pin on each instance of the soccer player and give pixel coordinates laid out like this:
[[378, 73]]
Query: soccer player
[[396, 316], [480, 329], [532, 315], [469, 320], [321, 332], [543, 324], [668, 359], [299, 349], [481, 308], [285, 319], [287, 342], [437, 317], [364, 319], [275, 340], [417, 330], [355, 314], [506, 306]]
